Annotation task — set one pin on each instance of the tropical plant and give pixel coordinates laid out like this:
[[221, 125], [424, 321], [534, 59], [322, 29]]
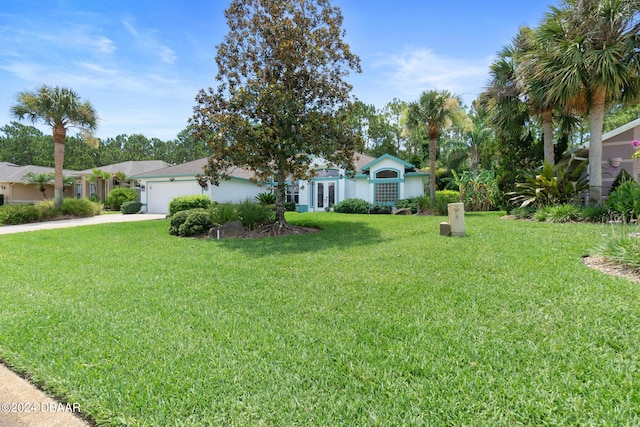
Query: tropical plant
[[39, 180], [592, 57], [623, 176], [282, 99], [625, 200], [549, 186], [254, 215], [477, 190], [434, 111], [61, 109], [266, 198]]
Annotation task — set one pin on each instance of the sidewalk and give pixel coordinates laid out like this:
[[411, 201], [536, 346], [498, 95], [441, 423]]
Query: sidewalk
[[21, 403], [76, 222]]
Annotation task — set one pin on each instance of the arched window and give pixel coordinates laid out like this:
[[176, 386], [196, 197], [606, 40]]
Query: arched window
[[387, 174]]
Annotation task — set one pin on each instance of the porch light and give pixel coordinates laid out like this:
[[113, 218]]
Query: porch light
[[615, 161]]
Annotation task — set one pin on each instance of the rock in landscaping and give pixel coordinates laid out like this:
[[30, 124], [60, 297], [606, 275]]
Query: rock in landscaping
[[403, 211], [231, 229]]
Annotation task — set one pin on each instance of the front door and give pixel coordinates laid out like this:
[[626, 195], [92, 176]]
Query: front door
[[324, 195]]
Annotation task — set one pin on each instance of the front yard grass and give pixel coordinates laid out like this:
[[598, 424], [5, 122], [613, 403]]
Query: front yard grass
[[377, 320]]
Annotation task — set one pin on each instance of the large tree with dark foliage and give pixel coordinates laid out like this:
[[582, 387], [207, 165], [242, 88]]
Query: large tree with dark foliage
[[281, 98]]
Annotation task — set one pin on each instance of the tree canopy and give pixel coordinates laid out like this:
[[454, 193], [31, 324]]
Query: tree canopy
[[282, 98]]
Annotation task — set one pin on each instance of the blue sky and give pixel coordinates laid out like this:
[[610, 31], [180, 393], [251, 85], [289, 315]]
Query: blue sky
[[141, 63]]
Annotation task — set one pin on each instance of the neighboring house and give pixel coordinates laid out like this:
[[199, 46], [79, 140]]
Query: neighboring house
[[17, 190], [382, 180], [616, 154], [100, 187]]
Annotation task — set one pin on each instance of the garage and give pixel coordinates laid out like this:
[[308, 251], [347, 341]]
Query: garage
[[159, 194]]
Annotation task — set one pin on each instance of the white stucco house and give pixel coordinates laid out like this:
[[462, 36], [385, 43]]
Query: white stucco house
[[382, 180]]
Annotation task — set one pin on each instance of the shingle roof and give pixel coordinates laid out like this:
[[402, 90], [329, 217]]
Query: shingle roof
[[10, 172], [131, 167]]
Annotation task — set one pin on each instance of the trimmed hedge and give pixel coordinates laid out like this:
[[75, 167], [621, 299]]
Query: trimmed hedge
[[19, 214], [80, 207], [189, 223], [352, 206], [120, 195], [184, 203], [130, 207]]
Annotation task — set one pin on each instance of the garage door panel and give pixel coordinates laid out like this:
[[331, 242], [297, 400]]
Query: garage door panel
[[161, 194]]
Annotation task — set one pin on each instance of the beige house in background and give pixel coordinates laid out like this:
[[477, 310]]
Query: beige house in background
[[616, 154], [17, 190]]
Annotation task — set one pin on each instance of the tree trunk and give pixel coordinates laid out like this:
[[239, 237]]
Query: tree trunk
[[280, 198], [432, 171], [596, 120], [59, 137], [547, 129]]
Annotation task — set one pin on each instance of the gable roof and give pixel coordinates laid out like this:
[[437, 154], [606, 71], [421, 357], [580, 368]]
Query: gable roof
[[131, 167], [384, 157], [190, 169], [10, 172]]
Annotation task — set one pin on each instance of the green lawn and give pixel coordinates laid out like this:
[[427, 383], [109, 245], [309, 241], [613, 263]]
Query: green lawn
[[377, 320]]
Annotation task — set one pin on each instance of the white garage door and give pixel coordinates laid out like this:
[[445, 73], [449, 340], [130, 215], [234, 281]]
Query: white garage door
[[160, 194]]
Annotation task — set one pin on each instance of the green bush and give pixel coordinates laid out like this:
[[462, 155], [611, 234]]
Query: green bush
[[625, 201], [94, 198], [80, 207], [224, 213], [411, 203], [119, 195], [198, 222], [380, 209], [267, 198], [542, 214], [352, 206], [130, 207], [596, 213], [184, 203], [290, 206], [443, 198], [526, 212], [176, 221], [565, 212], [18, 214], [46, 210], [254, 215]]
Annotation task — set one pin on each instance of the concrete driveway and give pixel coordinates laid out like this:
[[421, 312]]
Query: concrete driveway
[[77, 222]]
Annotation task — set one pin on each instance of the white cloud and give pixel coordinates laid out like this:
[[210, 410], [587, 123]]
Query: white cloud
[[145, 39], [415, 70]]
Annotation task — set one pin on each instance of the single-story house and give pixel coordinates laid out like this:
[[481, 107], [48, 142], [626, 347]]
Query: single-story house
[[16, 189], [616, 154], [382, 180], [91, 184]]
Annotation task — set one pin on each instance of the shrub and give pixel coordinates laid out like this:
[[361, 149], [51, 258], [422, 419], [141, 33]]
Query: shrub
[[565, 212], [625, 200], [80, 207], [183, 203], [352, 206], [542, 214], [380, 209], [18, 214], [290, 206], [118, 196], [424, 203], [267, 198], [596, 213], [224, 213], [176, 221], [254, 215], [526, 212], [94, 198], [411, 203], [622, 177], [198, 222], [46, 210], [443, 198], [130, 207], [549, 186]]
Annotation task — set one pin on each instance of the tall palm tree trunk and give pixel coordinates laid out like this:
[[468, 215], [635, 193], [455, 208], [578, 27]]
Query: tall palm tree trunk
[[596, 120], [547, 130], [59, 137], [432, 170]]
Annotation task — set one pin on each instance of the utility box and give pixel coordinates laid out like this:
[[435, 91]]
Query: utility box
[[456, 219]]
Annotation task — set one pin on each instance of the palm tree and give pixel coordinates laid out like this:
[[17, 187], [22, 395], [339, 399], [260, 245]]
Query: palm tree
[[435, 111], [61, 109], [39, 180], [592, 58]]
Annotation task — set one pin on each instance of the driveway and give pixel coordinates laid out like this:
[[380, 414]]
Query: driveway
[[77, 222]]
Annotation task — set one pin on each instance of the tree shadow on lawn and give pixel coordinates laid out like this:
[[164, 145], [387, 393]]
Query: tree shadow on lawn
[[332, 234]]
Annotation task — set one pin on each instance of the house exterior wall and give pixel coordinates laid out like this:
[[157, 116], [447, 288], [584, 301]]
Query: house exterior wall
[[234, 190], [619, 146], [15, 193], [413, 186]]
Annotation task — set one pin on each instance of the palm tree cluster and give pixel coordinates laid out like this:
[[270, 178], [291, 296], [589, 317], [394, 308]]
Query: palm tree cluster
[[583, 58]]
